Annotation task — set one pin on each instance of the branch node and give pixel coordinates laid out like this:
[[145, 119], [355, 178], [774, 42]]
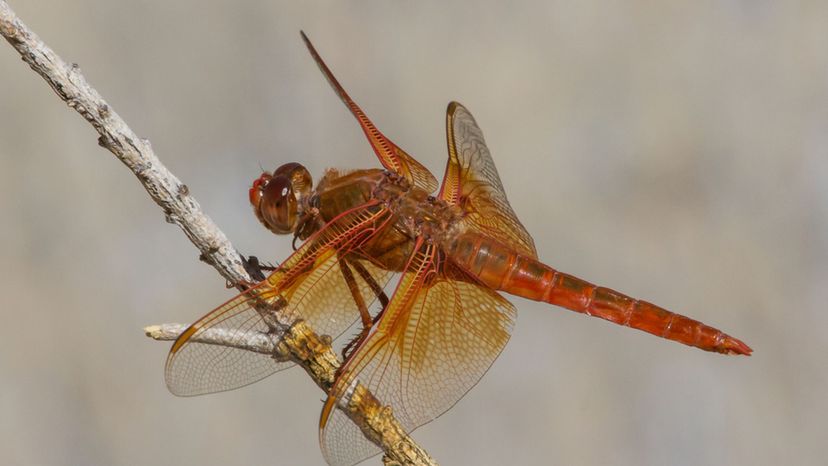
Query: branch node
[[171, 218]]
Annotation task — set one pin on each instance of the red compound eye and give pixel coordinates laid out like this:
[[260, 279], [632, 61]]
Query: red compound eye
[[277, 198]]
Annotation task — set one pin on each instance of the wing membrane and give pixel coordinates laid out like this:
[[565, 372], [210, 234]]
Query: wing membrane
[[392, 157], [435, 340], [472, 182], [195, 368], [308, 285]]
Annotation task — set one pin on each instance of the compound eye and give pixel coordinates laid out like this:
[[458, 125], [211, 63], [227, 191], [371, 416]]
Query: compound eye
[[277, 190], [300, 178], [277, 205]]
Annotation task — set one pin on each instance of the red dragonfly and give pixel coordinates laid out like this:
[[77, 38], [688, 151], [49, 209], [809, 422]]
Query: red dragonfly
[[451, 249]]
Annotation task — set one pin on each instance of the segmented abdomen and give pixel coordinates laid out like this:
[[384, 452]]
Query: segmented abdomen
[[499, 267]]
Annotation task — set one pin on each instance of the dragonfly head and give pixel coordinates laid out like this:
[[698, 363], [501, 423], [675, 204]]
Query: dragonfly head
[[277, 198]]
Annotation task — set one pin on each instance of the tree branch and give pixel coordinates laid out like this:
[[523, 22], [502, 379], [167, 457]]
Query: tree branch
[[258, 343], [299, 342]]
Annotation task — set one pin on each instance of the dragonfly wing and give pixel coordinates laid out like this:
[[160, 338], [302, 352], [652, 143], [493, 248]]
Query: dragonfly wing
[[195, 367], [437, 337], [308, 285], [471, 181], [322, 297], [392, 157]]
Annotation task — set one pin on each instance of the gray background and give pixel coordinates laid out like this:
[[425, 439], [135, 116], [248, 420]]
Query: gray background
[[675, 151]]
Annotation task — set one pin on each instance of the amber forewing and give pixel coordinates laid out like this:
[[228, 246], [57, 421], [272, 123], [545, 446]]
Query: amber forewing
[[308, 285]]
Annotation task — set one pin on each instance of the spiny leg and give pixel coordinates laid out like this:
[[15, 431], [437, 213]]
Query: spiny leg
[[255, 268], [375, 287], [364, 315]]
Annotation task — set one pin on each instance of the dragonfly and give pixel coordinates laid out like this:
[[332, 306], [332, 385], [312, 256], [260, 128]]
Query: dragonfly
[[416, 267]]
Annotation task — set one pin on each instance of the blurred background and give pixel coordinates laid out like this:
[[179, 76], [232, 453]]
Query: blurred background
[[676, 152]]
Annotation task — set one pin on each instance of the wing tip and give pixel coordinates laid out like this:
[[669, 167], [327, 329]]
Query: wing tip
[[454, 106], [309, 45]]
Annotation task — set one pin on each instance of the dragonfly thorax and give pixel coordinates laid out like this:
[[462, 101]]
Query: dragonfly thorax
[[420, 213]]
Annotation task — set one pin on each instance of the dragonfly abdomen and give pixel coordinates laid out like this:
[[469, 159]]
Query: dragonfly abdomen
[[499, 267]]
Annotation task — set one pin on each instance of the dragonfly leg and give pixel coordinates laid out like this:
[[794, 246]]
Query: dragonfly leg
[[375, 287], [364, 315], [255, 268], [349, 348]]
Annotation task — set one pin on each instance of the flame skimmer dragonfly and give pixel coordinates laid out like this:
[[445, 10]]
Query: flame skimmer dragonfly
[[452, 250]]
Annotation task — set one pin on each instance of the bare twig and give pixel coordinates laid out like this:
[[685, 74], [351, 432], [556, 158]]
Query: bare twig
[[376, 421], [299, 342], [258, 343]]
